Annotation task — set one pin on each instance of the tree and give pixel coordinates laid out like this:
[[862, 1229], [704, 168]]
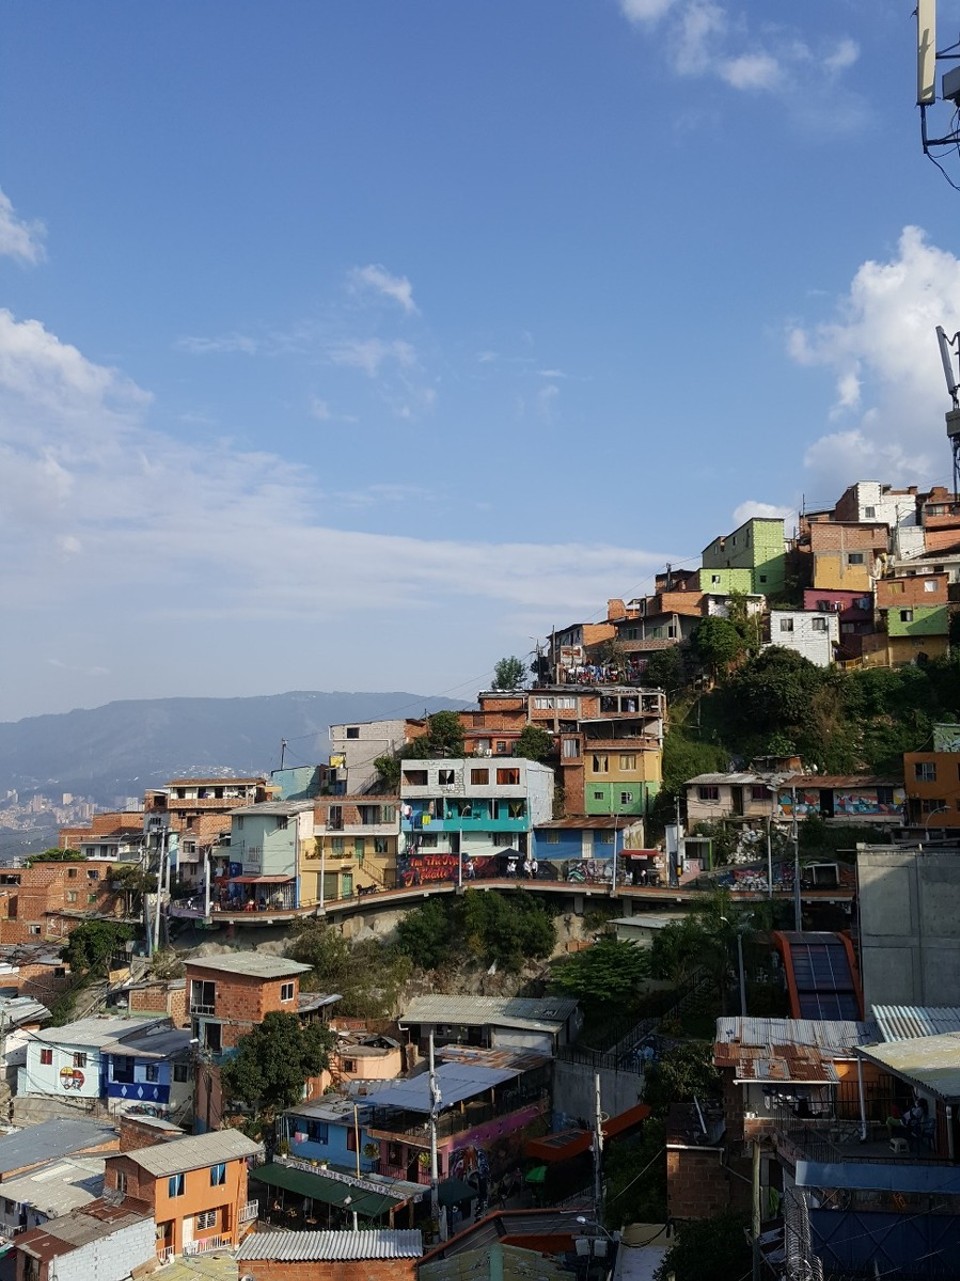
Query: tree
[[534, 743], [666, 669], [635, 1178], [505, 929], [426, 935], [681, 1074], [273, 1061], [92, 944], [611, 972], [705, 1249], [388, 770], [510, 673], [716, 642], [133, 881]]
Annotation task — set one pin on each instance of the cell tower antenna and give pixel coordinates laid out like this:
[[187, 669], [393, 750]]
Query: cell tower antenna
[[926, 52], [947, 348]]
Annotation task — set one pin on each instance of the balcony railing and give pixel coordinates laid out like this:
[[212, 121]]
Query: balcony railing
[[165, 1253], [393, 1123], [207, 1245], [249, 1211], [198, 1008]]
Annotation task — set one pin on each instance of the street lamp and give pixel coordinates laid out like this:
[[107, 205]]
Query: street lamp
[[941, 809], [741, 930]]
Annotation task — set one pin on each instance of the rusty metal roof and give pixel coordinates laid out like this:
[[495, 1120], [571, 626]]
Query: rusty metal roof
[[835, 1038], [798, 1065]]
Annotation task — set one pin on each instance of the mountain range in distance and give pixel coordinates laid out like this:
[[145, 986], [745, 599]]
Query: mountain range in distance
[[105, 754]]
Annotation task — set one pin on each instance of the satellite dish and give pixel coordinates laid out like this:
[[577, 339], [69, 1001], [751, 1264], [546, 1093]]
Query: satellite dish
[[946, 355]]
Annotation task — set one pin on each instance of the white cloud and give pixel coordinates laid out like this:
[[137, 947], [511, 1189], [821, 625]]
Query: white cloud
[[225, 344], [546, 402], [881, 347], [371, 354], [701, 38], [320, 410], [19, 239], [753, 510], [751, 71], [377, 279]]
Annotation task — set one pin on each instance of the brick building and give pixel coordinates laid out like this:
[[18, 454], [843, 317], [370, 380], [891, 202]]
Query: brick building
[[356, 842], [195, 1188], [107, 829], [847, 557], [48, 900], [197, 812]]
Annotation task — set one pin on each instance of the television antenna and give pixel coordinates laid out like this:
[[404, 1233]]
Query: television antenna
[[949, 346], [928, 55]]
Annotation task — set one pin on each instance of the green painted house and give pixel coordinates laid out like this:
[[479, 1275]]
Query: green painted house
[[752, 559]]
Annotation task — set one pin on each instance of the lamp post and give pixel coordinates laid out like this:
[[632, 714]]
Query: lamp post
[[941, 809], [595, 1247], [741, 930]]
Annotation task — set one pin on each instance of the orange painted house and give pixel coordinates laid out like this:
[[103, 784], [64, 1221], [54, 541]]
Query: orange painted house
[[195, 1186]]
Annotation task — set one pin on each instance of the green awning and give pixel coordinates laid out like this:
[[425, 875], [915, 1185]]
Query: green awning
[[537, 1175], [369, 1205], [453, 1191]]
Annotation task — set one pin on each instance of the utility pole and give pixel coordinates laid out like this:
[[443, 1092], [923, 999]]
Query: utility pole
[[597, 1151], [795, 836], [283, 748], [436, 1102]]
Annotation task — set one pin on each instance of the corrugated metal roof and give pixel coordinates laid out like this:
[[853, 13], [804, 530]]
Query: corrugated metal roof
[[260, 965], [838, 1036], [49, 1140], [457, 1081], [477, 1011], [165, 1044], [908, 1022], [932, 1062], [96, 1032], [499, 1262], [194, 1151], [328, 1247], [59, 1186], [798, 1065]]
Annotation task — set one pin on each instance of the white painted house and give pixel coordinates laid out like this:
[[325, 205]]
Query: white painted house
[[811, 633]]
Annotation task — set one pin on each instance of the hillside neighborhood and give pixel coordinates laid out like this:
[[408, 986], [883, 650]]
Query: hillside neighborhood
[[650, 956]]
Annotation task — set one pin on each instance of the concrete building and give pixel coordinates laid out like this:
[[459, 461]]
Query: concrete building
[[932, 787], [847, 557], [354, 748], [846, 798], [747, 795], [356, 844], [268, 844], [578, 848], [196, 1188], [101, 1242], [493, 1022], [813, 634], [69, 1062], [229, 994], [459, 814], [752, 559], [909, 921]]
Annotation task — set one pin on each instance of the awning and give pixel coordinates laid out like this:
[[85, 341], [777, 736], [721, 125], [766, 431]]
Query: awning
[[537, 1175], [879, 1176], [370, 1205], [624, 1121], [260, 880], [563, 1146], [645, 854], [454, 1191]]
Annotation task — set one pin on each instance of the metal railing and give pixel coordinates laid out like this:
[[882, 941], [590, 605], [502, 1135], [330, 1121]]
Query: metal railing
[[197, 1007], [165, 1254], [207, 1245], [249, 1211]]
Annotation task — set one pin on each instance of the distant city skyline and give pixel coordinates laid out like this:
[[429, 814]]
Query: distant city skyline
[[354, 347]]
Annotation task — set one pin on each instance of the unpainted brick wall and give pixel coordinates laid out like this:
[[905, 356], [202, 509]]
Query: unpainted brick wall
[[353, 1270]]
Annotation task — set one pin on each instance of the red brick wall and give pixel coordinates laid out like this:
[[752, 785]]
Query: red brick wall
[[828, 537], [159, 998], [43, 895], [134, 1134], [939, 540], [359, 1270], [242, 1001], [699, 1186], [140, 1184], [896, 593], [42, 981]]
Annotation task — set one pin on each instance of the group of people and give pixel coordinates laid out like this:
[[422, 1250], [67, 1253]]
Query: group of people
[[527, 867]]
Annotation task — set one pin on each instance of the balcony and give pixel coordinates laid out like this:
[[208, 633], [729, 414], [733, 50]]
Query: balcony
[[198, 1008], [207, 1245], [250, 1212]]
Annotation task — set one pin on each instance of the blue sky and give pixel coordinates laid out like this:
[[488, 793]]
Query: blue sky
[[352, 346]]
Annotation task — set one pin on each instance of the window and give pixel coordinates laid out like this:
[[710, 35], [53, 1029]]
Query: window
[[566, 704], [708, 793], [80, 1060], [350, 1066], [181, 1073], [543, 704], [626, 798], [282, 822], [205, 1219], [508, 778], [286, 991], [715, 580], [175, 1185], [218, 1175], [351, 1139], [121, 1181], [46, 1057], [906, 615], [570, 749], [92, 897], [628, 762], [152, 1073], [933, 806], [601, 764], [763, 578], [786, 624], [336, 844], [415, 777], [318, 1132], [359, 848], [500, 747], [446, 777], [93, 874], [380, 845], [925, 771], [72, 896], [72, 874], [869, 513], [604, 838], [34, 929], [553, 838], [203, 996], [854, 558], [598, 796], [353, 731], [818, 624], [759, 793], [479, 777], [123, 1070], [885, 794], [929, 584]]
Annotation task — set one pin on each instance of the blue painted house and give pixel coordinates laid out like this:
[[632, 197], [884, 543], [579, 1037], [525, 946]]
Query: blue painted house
[[151, 1069], [330, 1130], [582, 848]]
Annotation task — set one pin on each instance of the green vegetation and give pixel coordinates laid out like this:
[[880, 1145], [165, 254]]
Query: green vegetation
[[369, 975], [271, 1064], [716, 643], [635, 1178], [685, 1072], [55, 856], [534, 743], [510, 673], [443, 738], [133, 882], [93, 944], [487, 928], [706, 1249], [608, 974]]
